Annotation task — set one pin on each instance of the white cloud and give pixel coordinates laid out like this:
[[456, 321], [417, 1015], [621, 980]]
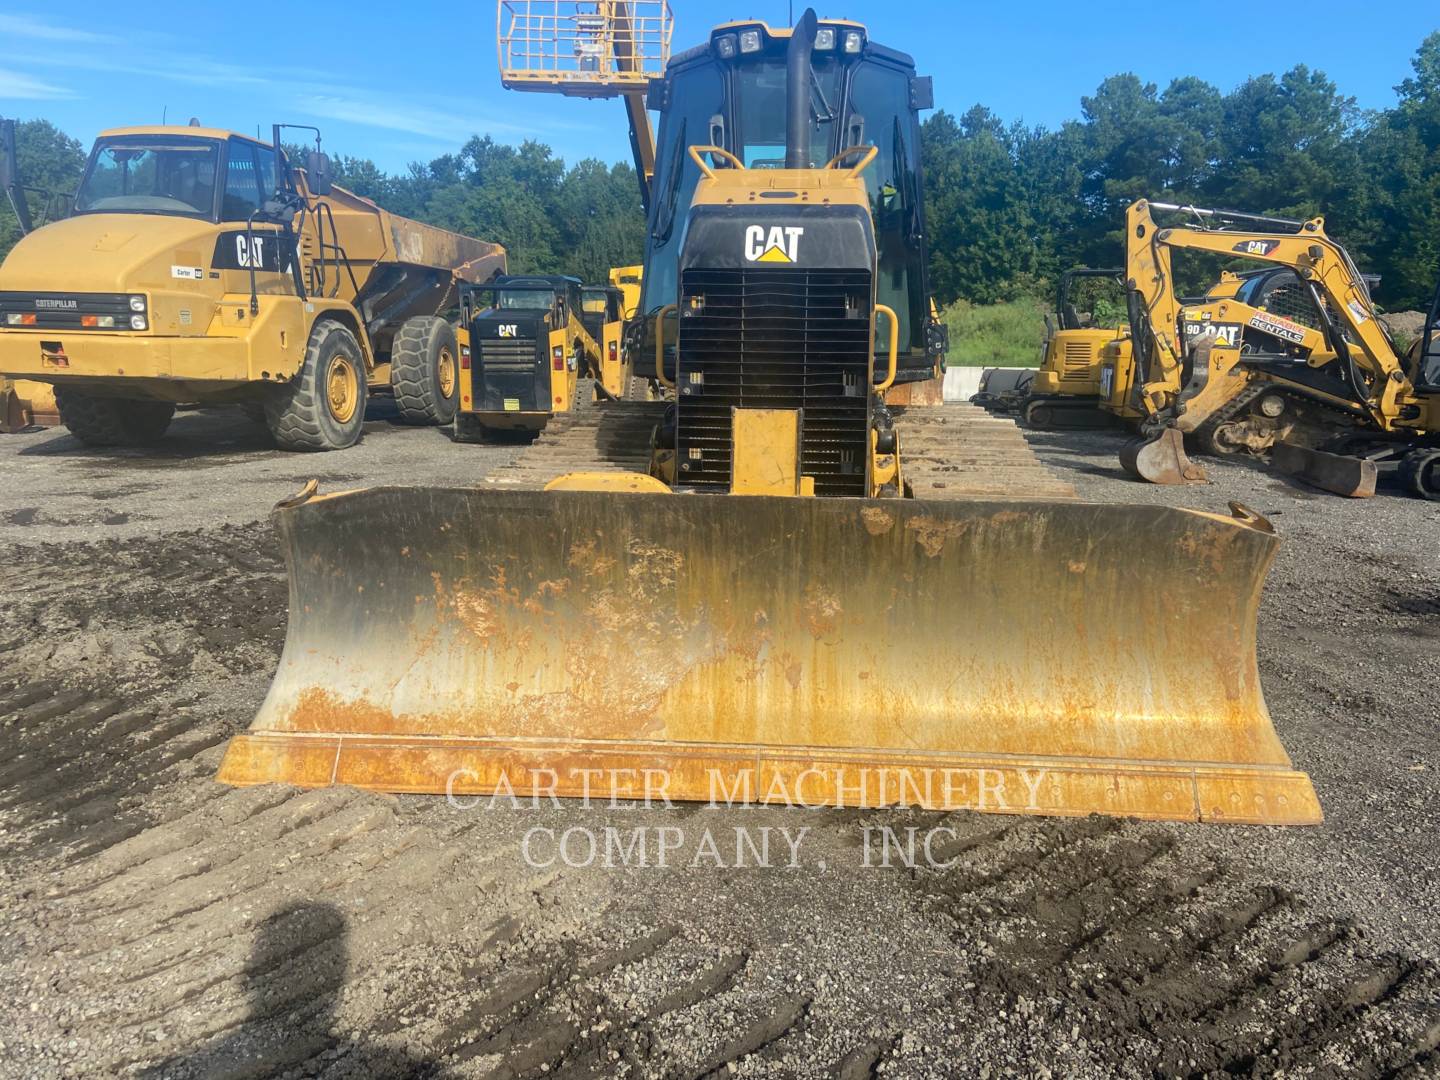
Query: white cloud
[[398, 116], [27, 26], [15, 85]]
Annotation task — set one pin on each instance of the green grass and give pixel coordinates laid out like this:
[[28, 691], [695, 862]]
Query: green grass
[[1006, 334]]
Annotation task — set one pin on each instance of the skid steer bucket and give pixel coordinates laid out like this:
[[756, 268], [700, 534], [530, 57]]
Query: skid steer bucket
[[1051, 658]]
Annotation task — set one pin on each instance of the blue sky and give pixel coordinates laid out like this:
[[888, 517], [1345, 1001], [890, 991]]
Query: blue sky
[[399, 88]]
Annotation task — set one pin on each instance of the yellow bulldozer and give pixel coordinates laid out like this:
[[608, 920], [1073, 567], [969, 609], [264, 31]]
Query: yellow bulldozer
[[202, 266], [807, 592], [1300, 370]]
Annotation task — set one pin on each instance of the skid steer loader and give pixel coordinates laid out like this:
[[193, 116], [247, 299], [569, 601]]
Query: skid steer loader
[[525, 345], [764, 615]]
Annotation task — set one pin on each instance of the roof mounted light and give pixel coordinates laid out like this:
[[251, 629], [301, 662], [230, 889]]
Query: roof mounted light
[[824, 38], [725, 46], [750, 41], [854, 40]]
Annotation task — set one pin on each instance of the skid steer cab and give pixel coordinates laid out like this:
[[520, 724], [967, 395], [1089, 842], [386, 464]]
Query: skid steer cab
[[523, 350], [604, 318]]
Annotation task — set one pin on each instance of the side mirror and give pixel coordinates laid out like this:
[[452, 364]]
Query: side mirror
[[317, 173]]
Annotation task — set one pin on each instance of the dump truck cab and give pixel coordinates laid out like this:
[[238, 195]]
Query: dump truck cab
[[200, 266], [524, 347]]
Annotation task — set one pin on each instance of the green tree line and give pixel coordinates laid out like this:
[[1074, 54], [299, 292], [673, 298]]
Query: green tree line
[[1010, 206]]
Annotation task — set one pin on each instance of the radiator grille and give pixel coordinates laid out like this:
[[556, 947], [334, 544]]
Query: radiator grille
[[508, 354], [1079, 358], [783, 339]]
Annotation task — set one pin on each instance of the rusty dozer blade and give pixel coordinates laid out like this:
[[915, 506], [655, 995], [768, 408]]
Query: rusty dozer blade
[[1161, 459], [1049, 658], [1352, 477]]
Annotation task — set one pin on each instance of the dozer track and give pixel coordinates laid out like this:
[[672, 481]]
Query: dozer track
[[947, 451]]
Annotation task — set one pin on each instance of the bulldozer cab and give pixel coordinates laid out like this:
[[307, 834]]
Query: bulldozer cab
[[525, 345], [732, 93]]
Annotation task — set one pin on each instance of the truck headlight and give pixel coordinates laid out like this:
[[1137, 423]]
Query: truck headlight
[[825, 38], [137, 322], [137, 303], [749, 41], [853, 41], [725, 46]]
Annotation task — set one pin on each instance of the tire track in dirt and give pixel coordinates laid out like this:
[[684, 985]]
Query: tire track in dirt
[[1198, 970]]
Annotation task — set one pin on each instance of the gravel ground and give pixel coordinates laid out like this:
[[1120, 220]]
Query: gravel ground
[[154, 923]]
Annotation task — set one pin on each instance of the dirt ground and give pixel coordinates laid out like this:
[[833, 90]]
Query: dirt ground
[[154, 923]]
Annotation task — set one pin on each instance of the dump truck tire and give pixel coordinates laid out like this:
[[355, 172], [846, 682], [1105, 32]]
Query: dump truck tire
[[323, 408], [101, 421], [425, 371]]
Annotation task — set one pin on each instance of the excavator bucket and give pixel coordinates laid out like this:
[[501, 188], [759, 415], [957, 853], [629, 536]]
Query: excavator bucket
[[1022, 657], [1161, 459]]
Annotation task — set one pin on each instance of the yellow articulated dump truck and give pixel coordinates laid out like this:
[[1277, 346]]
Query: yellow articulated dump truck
[[807, 593], [201, 266]]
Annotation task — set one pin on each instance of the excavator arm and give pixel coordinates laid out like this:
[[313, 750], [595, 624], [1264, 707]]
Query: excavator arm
[[1353, 335]]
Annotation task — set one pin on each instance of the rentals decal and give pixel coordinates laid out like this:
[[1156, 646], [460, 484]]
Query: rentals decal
[[1279, 326], [778, 244]]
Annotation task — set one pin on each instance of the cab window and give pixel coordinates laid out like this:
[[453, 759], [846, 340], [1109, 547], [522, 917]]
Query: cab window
[[880, 99], [150, 175], [761, 100], [697, 94], [242, 183]]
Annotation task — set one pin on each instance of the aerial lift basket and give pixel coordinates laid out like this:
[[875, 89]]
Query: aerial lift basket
[[595, 49], [1045, 658]]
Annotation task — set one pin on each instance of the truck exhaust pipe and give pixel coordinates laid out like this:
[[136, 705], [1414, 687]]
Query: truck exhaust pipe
[[797, 92]]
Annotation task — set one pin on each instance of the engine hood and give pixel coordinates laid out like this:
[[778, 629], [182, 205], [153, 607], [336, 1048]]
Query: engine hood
[[107, 253]]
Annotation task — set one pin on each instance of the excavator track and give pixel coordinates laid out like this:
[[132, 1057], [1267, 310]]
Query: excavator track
[[947, 451]]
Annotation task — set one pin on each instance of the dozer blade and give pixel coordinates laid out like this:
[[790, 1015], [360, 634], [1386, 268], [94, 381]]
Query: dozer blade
[[1161, 459], [1050, 658], [1352, 477]]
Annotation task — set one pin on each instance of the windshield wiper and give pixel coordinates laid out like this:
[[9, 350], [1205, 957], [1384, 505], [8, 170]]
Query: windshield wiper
[[816, 91]]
